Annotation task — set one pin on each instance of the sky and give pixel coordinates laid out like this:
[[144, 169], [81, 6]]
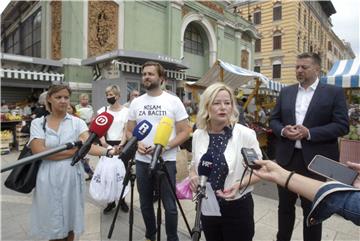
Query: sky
[[346, 21]]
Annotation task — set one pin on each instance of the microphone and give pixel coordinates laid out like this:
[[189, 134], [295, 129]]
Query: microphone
[[97, 129], [204, 170], [161, 139], [140, 131]]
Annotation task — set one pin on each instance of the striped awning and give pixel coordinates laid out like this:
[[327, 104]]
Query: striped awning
[[344, 73], [30, 75], [236, 77], [136, 68]]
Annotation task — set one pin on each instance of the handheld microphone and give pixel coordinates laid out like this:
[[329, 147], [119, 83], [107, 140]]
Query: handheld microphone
[[161, 139], [140, 131], [97, 129], [204, 169]]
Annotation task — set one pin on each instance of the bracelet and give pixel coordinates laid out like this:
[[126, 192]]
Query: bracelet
[[288, 179]]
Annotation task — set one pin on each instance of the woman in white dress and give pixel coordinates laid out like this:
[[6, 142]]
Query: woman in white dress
[[57, 211]]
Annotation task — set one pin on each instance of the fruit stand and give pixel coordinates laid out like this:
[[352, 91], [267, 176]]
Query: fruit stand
[[11, 135]]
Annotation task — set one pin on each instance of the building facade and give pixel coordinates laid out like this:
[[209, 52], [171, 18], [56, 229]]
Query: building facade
[[288, 28], [103, 42]]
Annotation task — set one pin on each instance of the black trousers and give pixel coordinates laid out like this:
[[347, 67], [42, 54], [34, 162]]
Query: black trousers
[[287, 200], [235, 224]]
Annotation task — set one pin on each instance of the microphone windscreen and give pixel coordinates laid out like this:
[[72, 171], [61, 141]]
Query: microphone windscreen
[[163, 131], [205, 165], [101, 124], [142, 129]]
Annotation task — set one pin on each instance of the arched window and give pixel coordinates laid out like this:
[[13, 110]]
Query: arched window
[[193, 42]]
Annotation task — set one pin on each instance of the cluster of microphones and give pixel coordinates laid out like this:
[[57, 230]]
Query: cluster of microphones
[[102, 123]]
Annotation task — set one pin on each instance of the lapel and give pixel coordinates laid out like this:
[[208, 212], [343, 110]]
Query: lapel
[[292, 101], [314, 101]]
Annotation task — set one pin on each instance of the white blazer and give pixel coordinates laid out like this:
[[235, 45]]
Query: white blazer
[[241, 137]]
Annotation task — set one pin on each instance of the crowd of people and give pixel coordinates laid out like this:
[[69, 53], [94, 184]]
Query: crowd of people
[[307, 120]]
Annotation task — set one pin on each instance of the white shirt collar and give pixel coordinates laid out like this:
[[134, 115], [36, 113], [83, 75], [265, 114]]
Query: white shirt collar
[[313, 86]]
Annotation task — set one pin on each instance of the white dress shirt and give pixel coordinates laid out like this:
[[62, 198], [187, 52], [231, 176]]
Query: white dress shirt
[[302, 103]]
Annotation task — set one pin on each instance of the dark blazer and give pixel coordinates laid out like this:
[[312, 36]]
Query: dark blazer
[[326, 118]]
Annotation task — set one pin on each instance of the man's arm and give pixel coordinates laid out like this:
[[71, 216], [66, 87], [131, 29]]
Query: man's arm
[[183, 131], [339, 124], [129, 128], [275, 118]]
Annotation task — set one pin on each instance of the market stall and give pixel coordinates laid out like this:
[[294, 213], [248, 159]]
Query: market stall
[[239, 78], [346, 74]]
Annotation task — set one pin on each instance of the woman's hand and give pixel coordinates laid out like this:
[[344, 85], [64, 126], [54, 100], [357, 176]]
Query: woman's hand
[[194, 182], [356, 167], [229, 193]]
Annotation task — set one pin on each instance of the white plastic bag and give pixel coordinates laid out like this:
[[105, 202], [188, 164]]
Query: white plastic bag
[[107, 182]]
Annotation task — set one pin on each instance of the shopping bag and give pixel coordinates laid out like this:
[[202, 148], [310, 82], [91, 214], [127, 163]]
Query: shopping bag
[[183, 190], [107, 182]]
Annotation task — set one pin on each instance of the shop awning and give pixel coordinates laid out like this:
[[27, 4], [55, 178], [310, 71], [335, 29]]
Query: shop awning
[[30, 75], [136, 68], [235, 77], [344, 73]]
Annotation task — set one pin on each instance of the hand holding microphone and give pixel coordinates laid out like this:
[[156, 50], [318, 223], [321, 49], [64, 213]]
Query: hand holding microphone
[[162, 135], [98, 128], [140, 131]]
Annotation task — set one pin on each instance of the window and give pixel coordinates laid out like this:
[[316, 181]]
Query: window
[[12, 42], [304, 18], [257, 69], [299, 13], [31, 35], [298, 42], [257, 45], [276, 71], [257, 17], [277, 41], [277, 12], [193, 42]]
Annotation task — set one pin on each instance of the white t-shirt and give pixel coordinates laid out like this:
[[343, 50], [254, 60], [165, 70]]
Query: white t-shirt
[[85, 113], [152, 109], [116, 130]]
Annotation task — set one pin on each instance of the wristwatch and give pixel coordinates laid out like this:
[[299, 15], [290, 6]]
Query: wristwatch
[[108, 153]]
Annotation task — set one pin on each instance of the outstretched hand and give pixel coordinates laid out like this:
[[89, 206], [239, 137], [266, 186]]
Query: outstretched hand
[[356, 167]]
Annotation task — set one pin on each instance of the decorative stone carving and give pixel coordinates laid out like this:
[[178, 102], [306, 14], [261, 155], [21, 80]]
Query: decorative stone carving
[[102, 27], [55, 29], [244, 59]]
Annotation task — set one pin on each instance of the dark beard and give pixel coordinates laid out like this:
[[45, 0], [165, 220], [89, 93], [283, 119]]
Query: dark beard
[[152, 86]]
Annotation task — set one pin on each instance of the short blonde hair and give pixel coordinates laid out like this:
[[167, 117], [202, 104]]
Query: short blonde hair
[[115, 89], [207, 98], [83, 95]]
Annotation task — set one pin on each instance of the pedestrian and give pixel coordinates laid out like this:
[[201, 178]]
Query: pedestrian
[[132, 95], [307, 120], [327, 198], [152, 106], [84, 109], [220, 137], [116, 135], [57, 210]]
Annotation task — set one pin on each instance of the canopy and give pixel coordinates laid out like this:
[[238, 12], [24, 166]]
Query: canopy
[[344, 73], [235, 76]]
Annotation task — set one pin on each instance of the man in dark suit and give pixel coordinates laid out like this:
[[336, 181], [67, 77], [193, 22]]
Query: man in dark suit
[[307, 120]]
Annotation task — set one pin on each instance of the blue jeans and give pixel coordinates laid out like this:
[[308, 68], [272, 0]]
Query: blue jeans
[[146, 186]]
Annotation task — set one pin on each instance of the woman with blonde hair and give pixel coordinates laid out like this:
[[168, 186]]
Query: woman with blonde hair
[[219, 138], [116, 135]]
